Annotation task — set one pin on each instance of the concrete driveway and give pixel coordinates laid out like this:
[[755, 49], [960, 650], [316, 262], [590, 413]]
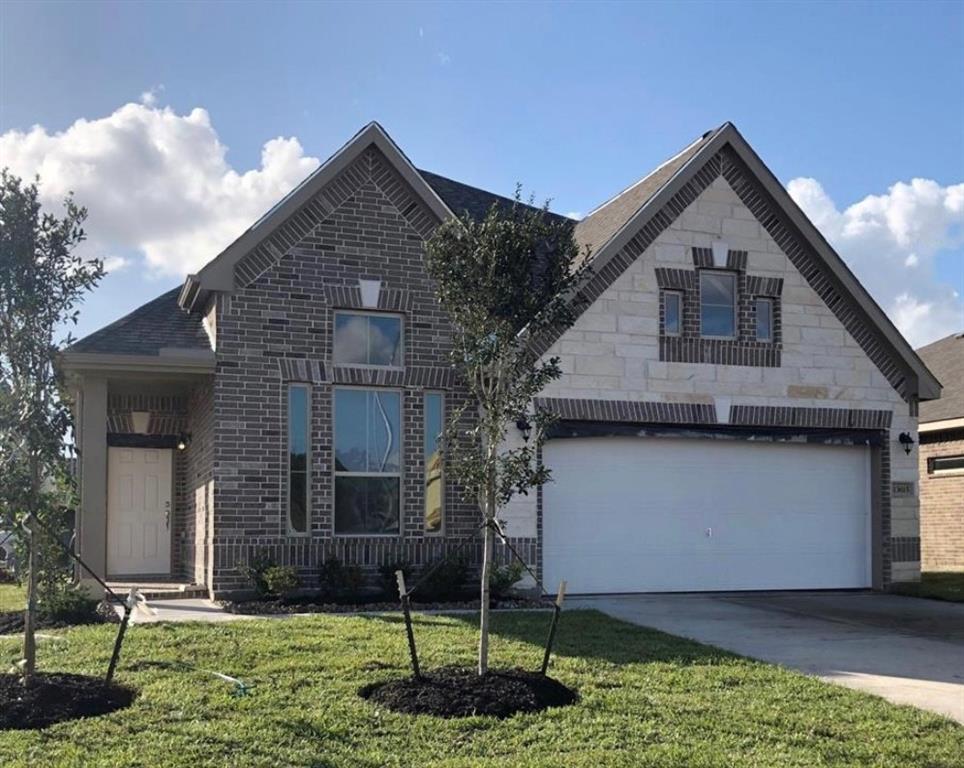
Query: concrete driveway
[[908, 650]]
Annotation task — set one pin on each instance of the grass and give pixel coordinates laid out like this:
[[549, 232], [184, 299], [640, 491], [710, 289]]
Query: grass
[[936, 585], [12, 597], [648, 699]]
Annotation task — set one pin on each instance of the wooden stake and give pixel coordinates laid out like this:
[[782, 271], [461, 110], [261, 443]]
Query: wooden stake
[[406, 611], [556, 610], [115, 656]]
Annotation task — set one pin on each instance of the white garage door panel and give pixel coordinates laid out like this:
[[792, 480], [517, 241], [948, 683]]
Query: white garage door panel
[[663, 514]]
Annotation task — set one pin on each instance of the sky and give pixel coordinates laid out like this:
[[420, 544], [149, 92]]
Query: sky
[[179, 124]]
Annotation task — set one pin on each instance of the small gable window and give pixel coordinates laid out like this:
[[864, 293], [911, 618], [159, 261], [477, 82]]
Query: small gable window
[[672, 313], [764, 319], [368, 339], [717, 304]]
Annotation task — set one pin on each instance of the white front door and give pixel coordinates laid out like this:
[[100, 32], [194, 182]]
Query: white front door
[[138, 511], [629, 514]]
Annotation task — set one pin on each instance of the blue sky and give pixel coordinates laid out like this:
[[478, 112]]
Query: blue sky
[[574, 100]]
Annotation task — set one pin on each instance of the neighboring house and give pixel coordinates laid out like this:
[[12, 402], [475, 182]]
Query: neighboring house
[[942, 459], [730, 410]]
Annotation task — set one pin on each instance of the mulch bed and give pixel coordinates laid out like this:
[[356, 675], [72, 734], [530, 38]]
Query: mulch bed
[[55, 697], [461, 692], [11, 622], [250, 607]]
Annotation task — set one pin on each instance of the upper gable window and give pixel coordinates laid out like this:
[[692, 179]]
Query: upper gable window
[[764, 319], [672, 313], [368, 339], [718, 304]]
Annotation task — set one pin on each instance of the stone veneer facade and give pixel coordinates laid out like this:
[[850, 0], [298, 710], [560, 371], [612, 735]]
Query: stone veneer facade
[[615, 352]]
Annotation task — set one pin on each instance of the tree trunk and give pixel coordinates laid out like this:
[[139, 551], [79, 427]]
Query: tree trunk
[[487, 552], [30, 615]]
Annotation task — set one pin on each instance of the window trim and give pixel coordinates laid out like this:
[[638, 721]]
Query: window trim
[[736, 303], [932, 471], [768, 300], [679, 299], [335, 474], [441, 475], [287, 459], [369, 313]]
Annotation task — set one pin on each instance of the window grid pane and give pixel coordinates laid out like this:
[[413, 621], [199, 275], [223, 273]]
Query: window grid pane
[[298, 459], [673, 306], [433, 462], [361, 339], [717, 304], [764, 319]]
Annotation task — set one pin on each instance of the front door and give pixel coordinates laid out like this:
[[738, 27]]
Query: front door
[[139, 512]]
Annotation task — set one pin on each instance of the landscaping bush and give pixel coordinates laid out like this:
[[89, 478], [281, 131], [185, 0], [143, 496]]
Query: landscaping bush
[[281, 580], [68, 606], [386, 577], [6, 576], [340, 583], [503, 578], [448, 581]]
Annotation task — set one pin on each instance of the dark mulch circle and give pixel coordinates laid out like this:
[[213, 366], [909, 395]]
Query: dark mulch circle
[[461, 692], [11, 622], [56, 697], [375, 605]]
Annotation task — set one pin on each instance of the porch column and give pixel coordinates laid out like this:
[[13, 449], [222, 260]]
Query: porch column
[[92, 444]]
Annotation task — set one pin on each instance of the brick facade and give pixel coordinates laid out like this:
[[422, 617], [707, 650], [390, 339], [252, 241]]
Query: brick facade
[[942, 505]]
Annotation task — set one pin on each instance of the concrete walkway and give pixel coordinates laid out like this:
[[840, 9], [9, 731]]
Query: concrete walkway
[[908, 650]]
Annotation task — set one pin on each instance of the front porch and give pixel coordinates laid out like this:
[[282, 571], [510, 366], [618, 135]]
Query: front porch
[[145, 474]]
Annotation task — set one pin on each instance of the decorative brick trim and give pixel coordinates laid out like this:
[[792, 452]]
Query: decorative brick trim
[[632, 411], [344, 296], [672, 279], [430, 377], [300, 369], [764, 287], [905, 549], [703, 257], [677, 349], [168, 413], [796, 416], [374, 377], [349, 297], [736, 260], [805, 259]]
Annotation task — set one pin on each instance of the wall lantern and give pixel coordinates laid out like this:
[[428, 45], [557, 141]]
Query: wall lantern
[[905, 439], [183, 441], [140, 421], [523, 425]]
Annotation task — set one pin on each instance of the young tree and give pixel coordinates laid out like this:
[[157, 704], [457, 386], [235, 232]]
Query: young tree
[[42, 280], [504, 281]]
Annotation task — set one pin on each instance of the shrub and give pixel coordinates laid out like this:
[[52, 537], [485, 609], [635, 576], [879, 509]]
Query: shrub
[[254, 571], [68, 606], [6, 576], [281, 580], [503, 578], [338, 582], [447, 582], [387, 580]]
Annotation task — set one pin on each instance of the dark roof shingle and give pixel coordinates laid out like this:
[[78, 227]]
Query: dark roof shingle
[[945, 359], [159, 324]]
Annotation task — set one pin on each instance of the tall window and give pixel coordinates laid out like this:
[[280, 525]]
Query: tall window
[[367, 461], [298, 458], [433, 462], [764, 320], [718, 304], [368, 339], [672, 313]]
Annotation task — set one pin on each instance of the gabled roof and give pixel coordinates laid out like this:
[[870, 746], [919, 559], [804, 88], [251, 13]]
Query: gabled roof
[[643, 209], [218, 274], [946, 359]]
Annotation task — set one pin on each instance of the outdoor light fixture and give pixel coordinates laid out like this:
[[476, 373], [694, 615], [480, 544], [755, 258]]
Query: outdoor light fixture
[[905, 439], [183, 441], [523, 425]]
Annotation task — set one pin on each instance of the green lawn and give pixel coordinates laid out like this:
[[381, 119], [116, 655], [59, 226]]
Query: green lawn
[[12, 597], [937, 585], [648, 699]]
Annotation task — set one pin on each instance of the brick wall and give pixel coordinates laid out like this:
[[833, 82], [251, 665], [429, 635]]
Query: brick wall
[[277, 328], [941, 508]]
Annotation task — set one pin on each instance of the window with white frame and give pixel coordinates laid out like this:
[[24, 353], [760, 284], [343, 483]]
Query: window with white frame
[[764, 319], [368, 458], [432, 457], [364, 338], [946, 465], [717, 304], [298, 431], [672, 313]]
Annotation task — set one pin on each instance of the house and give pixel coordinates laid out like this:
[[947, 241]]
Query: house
[[942, 459], [733, 412]]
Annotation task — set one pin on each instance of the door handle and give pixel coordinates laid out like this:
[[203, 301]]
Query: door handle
[[167, 515]]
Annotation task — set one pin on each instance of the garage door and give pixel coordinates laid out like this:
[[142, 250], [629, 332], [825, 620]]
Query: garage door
[[669, 515]]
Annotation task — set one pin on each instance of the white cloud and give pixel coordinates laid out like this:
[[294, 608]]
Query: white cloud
[[890, 241], [115, 263], [155, 182], [577, 215], [150, 96]]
